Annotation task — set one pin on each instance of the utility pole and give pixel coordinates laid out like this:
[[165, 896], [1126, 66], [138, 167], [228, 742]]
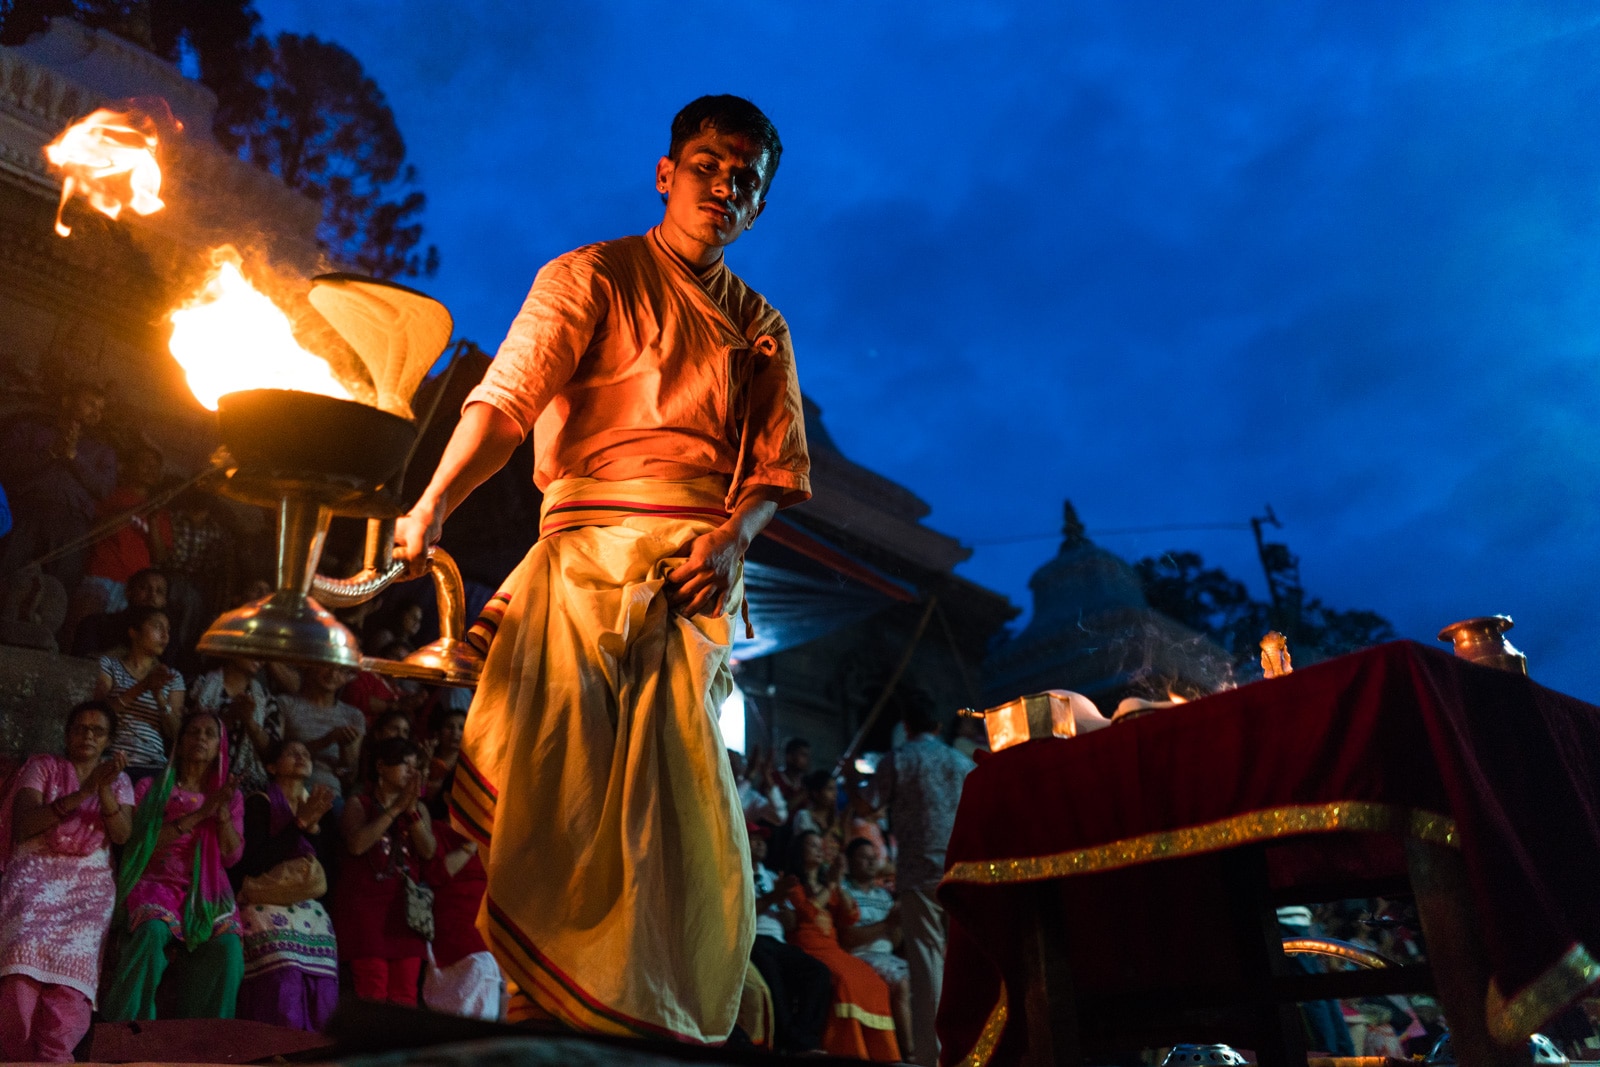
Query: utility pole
[[1282, 569], [1256, 522]]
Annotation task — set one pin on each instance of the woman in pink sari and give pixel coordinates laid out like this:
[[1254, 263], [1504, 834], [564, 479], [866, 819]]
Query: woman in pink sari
[[57, 822], [189, 827]]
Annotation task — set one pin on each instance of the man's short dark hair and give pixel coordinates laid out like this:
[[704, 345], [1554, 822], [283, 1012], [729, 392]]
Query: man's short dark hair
[[916, 709], [131, 619], [147, 572], [856, 845], [795, 744], [732, 115], [441, 715]]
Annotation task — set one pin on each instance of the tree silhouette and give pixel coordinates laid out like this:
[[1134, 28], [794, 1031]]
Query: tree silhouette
[[1182, 587], [324, 128]]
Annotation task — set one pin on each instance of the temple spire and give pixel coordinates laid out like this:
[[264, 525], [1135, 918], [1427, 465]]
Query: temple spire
[[1072, 531]]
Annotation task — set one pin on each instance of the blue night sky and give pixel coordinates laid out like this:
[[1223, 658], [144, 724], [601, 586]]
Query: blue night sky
[[1175, 261]]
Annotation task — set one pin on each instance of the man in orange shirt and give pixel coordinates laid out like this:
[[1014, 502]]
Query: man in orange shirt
[[665, 411]]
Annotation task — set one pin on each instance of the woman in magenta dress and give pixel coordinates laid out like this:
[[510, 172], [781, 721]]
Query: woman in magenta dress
[[57, 824], [387, 838], [187, 830]]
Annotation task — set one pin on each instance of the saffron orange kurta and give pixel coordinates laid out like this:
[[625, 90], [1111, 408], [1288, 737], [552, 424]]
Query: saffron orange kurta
[[619, 895], [623, 363]]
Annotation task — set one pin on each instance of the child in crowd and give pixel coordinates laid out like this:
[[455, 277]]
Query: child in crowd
[[146, 694]]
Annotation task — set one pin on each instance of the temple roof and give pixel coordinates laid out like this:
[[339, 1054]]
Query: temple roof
[[1093, 632]]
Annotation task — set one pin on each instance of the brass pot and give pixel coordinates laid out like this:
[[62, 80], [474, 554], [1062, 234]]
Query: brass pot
[[1483, 640]]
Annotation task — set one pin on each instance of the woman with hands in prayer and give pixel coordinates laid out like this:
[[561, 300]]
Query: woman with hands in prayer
[[173, 885], [862, 1023], [388, 842], [58, 822]]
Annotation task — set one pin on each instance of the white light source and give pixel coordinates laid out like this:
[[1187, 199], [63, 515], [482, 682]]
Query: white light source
[[731, 721]]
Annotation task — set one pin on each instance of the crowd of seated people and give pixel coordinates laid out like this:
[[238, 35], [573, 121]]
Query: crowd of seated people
[[241, 843], [839, 963], [827, 926]]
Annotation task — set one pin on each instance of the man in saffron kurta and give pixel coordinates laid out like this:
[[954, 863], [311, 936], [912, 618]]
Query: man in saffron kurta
[[665, 411]]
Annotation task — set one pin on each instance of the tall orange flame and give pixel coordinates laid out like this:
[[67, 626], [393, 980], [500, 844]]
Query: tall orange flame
[[110, 157], [231, 336]]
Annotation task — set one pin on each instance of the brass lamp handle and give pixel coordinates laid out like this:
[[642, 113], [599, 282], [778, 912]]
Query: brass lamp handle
[[1359, 955], [348, 592]]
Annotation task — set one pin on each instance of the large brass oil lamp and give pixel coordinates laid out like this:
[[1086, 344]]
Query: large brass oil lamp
[[308, 458]]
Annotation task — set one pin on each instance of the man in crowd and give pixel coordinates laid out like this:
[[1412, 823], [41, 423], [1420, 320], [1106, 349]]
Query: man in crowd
[[921, 783], [103, 631], [199, 567], [55, 472], [140, 543], [665, 411], [331, 729], [791, 777], [762, 802], [873, 936]]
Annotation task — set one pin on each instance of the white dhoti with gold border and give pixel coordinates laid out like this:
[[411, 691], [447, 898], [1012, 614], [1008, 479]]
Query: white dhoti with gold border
[[593, 772]]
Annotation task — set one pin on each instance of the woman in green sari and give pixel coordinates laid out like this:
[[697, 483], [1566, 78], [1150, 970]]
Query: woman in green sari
[[173, 886]]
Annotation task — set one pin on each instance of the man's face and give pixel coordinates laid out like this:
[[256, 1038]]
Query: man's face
[[864, 863], [798, 759], [450, 733], [144, 469], [716, 187], [327, 677], [150, 591]]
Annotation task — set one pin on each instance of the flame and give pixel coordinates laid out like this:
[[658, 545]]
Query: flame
[[111, 158], [230, 336], [1175, 698]]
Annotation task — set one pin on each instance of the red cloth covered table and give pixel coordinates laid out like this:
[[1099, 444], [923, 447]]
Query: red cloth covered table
[[1396, 741]]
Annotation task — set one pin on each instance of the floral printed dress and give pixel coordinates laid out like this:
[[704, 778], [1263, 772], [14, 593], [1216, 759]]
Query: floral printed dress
[[57, 890]]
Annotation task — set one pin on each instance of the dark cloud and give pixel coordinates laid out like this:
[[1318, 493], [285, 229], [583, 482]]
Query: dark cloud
[[1174, 262]]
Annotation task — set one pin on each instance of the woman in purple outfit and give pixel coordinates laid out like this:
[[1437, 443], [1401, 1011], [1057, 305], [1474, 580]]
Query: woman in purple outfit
[[291, 961]]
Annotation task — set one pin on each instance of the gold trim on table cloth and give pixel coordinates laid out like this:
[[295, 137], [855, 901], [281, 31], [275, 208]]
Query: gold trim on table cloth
[[989, 1036], [1512, 1021], [1256, 826]]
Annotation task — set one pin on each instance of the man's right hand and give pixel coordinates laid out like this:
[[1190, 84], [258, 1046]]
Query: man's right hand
[[414, 533]]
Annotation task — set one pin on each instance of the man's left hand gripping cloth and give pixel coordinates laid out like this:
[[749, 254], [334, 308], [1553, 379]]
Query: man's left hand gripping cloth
[[620, 894]]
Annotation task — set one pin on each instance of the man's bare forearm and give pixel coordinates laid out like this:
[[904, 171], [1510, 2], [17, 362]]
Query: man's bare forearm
[[751, 515], [482, 442]]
